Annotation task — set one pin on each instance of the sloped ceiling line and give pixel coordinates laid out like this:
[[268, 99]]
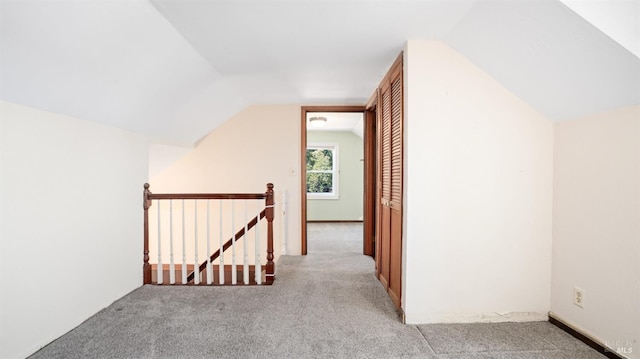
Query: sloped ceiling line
[[175, 70]]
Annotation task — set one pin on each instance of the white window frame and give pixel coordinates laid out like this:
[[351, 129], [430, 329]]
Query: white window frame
[[335, 172]]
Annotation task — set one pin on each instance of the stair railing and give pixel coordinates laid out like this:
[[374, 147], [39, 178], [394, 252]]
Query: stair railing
[[192, 271]]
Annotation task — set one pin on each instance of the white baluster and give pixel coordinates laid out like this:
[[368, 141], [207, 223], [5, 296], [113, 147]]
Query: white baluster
[[258, 265], [209, 268], [184, 250], [245, 267], [172, 265], [196, 265], [221, 264], [234, 273], [159, 278]]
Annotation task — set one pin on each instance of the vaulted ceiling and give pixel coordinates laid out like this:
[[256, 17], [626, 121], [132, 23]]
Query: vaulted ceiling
[[175, 70]]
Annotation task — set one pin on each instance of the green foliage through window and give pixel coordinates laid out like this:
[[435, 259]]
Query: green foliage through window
[[320, 170]]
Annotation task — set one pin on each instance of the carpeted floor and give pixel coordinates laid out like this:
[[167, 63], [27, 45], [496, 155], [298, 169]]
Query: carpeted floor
[[327, 304]]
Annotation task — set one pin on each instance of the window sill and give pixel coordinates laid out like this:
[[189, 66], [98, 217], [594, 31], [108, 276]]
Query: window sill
[[322, 196]]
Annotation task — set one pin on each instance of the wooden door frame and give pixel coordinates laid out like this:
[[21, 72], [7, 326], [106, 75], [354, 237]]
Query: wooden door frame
[[370, 176], [303, 161]]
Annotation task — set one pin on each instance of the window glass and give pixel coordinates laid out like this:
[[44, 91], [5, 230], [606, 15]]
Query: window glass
[[322, 171]]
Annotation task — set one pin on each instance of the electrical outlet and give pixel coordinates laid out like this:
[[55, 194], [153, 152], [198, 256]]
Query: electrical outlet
[[578, 297]]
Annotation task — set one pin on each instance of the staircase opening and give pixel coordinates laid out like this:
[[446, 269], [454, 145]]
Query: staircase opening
[[208, 238]]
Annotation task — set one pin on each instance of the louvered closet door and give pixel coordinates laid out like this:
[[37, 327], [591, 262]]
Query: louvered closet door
[[385, 185], [395, 255], [390, 177]]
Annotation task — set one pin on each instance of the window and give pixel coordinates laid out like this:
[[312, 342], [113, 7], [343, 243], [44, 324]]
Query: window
[[322, 171]]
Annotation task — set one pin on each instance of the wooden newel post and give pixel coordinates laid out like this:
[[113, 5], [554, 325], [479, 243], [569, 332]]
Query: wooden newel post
[[269, 211], [146, 267]]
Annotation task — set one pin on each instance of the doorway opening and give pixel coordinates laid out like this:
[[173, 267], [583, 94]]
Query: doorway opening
[[333, 167]]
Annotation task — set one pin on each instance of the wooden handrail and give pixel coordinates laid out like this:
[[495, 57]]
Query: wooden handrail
[[268, 212], [227, 244], [207, 196]]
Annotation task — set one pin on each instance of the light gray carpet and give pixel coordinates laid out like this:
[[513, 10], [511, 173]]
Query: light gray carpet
[[325, 305]]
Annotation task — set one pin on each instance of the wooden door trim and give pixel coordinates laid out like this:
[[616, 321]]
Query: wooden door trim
[[303, 161], [370, 177]]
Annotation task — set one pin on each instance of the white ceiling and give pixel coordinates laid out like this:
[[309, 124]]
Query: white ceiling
[[618, 19], [549, 56], [175, 70], [339, 121]]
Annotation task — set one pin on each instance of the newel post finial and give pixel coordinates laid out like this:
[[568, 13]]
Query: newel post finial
[[146, 202]]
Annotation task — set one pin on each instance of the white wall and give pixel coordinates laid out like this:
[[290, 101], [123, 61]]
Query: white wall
[[162, 156], [351, 177], [478, 195], [72, 223], [596, 226], [261, 144]]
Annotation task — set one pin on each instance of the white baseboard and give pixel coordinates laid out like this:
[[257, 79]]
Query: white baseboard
[[489, 317]]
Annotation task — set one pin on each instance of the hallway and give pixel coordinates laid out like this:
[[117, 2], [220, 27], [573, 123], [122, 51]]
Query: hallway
[[325, 305]]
